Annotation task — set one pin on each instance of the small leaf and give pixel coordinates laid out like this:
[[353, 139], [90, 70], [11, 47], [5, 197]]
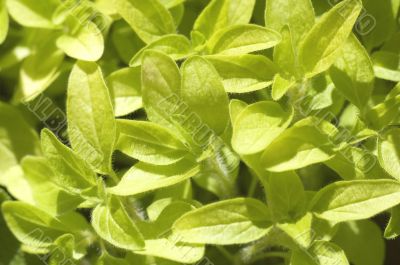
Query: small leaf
[[149, 19], [106, 259], [113, 224], [236, 106], [176, 46], [353, 74], [386, 112], [310, 143], [150, 143], [354, 163], [298, 15], [39, 70], [220, 14], [355, 200], [143, 177], [243, 39], [33, 13], [285, 196], [281, 86], [91, 124], [126, 85], [235, 221], [321, 252], [258, 125], [243, 73], [317, 53], [82, 41], [161, 82], [386, 65], [47, 193], [71, 171], [32, 226], [285, 54], [204, 94], [392, 230], [389, 152], [362, 242]]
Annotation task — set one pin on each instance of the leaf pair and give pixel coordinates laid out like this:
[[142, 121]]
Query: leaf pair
[[303, 51]]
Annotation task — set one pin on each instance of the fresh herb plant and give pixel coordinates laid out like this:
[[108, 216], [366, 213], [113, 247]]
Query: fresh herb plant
[[199, 132]]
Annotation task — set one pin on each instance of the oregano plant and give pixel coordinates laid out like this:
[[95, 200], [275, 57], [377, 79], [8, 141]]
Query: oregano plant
[[203, 132]]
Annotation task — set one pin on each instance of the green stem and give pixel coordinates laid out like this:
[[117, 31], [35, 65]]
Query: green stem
[[253, 186]]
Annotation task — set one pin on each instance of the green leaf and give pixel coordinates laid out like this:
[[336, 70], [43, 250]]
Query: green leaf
[[392, 230], [160, 242], [219, 167], [71, 171], [379, 22], [310, 141], [281, 86], [243, 39], [172, 250], [297, 233], [17, 139], [203, 92], [114, 225], [161, 82], [355, 200], [33, 13], [354, 163], [83, 41], [171, 3], [235, 221], [176, 46], [236, 106], [362, 242], [220, 14], [125, 85], [386, 112], [149, 19], [285, 195], [143, 177], [150, 143], [91, 123], [389, 152], [4, 20], [32, 226], [243, 73], [46, 191], [258, 125], [297, 15], [106, 259], [321, 252], [321, 45], [39, 70], [353, 73], [126, 42], [386, 65], [285, 54]]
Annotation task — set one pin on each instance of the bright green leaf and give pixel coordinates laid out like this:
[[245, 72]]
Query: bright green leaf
[[243, 73], [149, 142], [143, 177], [227, 222], [321, 45], [356, 200], [91, 123], [149, 19], [258, 125]]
